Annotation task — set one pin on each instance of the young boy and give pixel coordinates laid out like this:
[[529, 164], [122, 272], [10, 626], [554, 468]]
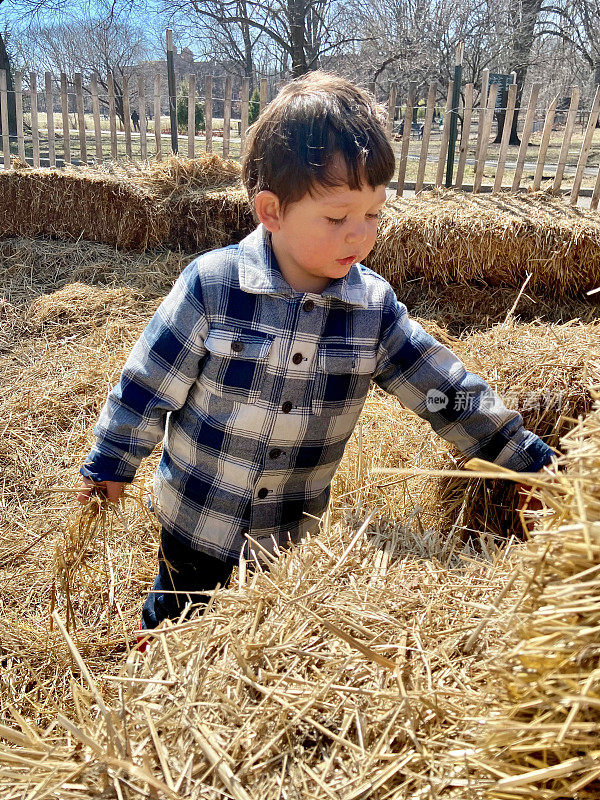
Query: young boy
[[255, 368]]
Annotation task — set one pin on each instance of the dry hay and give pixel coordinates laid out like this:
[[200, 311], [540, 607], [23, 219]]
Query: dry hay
[[361, 718], [181, 202], [542, 729], [295, 663], [440, 237], [340, 673], [543, 371], [458, 309], [452, 237]]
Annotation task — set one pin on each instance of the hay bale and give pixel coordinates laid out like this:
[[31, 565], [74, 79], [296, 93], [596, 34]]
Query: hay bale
[[130, 206], [440, 237], [544, 371], [542, 729], [71, 205], [452, 237]]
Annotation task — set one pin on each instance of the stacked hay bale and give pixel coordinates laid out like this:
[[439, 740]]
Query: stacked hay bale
[[452, 237], [189, 204], [543, 371], [543, 731], [439, 237]]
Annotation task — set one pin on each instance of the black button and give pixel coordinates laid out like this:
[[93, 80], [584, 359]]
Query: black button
[[308, 305], [262, 493], [237, 347], [275, 453], [286, 407], [244, 531], [297, 358]]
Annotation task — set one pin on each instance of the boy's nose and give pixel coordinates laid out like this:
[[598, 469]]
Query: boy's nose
[[357, 234]]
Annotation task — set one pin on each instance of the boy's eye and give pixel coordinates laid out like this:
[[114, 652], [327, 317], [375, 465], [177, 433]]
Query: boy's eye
[[374, 216], [335, 220]]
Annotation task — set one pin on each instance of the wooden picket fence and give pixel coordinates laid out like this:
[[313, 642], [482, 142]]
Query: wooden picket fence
[[483, 130], [98, 135]]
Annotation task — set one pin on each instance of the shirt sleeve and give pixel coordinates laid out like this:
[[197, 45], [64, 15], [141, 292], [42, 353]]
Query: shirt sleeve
[[156, 379], [460, 406]]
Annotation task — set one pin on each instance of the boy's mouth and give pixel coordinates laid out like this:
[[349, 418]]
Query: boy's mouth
[[346, 262]]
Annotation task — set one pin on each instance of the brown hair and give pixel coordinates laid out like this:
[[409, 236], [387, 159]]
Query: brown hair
[[291, 149]]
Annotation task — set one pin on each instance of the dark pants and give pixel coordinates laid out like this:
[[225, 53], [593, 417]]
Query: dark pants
[[182, 574]]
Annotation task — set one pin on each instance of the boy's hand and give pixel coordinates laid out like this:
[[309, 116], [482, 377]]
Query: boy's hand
[[111, 489]]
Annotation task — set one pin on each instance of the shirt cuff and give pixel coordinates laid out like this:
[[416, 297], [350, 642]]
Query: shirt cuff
[[105, 468]]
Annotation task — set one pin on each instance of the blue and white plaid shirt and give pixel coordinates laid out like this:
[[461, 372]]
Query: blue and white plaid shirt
[[256, 389]]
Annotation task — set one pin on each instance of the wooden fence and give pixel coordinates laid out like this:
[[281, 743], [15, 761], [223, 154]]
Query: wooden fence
[[73, 123]]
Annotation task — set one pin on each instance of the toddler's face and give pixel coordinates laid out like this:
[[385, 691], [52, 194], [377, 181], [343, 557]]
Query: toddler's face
[[318, 238]]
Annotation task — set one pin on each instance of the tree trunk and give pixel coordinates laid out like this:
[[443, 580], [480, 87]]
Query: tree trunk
[[245, 29], [12, 110], [297, 20], [524, 15]]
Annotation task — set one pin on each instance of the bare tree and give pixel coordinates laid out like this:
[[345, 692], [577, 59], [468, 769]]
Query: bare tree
[[298, 32], [578, 23], [96, 45]]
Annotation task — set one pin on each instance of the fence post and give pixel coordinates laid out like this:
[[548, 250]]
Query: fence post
[[595, 193], [142, 114], [412, 91], [112, 116], [157, 116], [191, 120], [172, 92], [19, 110], [485, 85], [445, 136], [426, 133], [564, 150], [227, 117], [35, 133], [264, 90], [64, 106], [127, 117], [453, 131], [526, 135], [464, 136], [96, 113], [506, 131], [80, 117], [485, 135], [245, 110], [585, 147], [4, 116], [539, 169], [50, 119], [208, 111]]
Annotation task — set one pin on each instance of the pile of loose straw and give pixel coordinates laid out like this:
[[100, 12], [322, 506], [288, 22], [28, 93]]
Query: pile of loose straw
[[542, 733]]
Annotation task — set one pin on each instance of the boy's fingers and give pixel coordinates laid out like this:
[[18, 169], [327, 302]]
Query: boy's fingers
[[112, 490], [86, 490]]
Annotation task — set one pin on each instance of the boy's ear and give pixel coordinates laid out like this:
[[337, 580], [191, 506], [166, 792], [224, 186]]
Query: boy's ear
[[268, 210]]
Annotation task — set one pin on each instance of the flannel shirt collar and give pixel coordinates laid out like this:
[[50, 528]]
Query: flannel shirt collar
[[259, 273]]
